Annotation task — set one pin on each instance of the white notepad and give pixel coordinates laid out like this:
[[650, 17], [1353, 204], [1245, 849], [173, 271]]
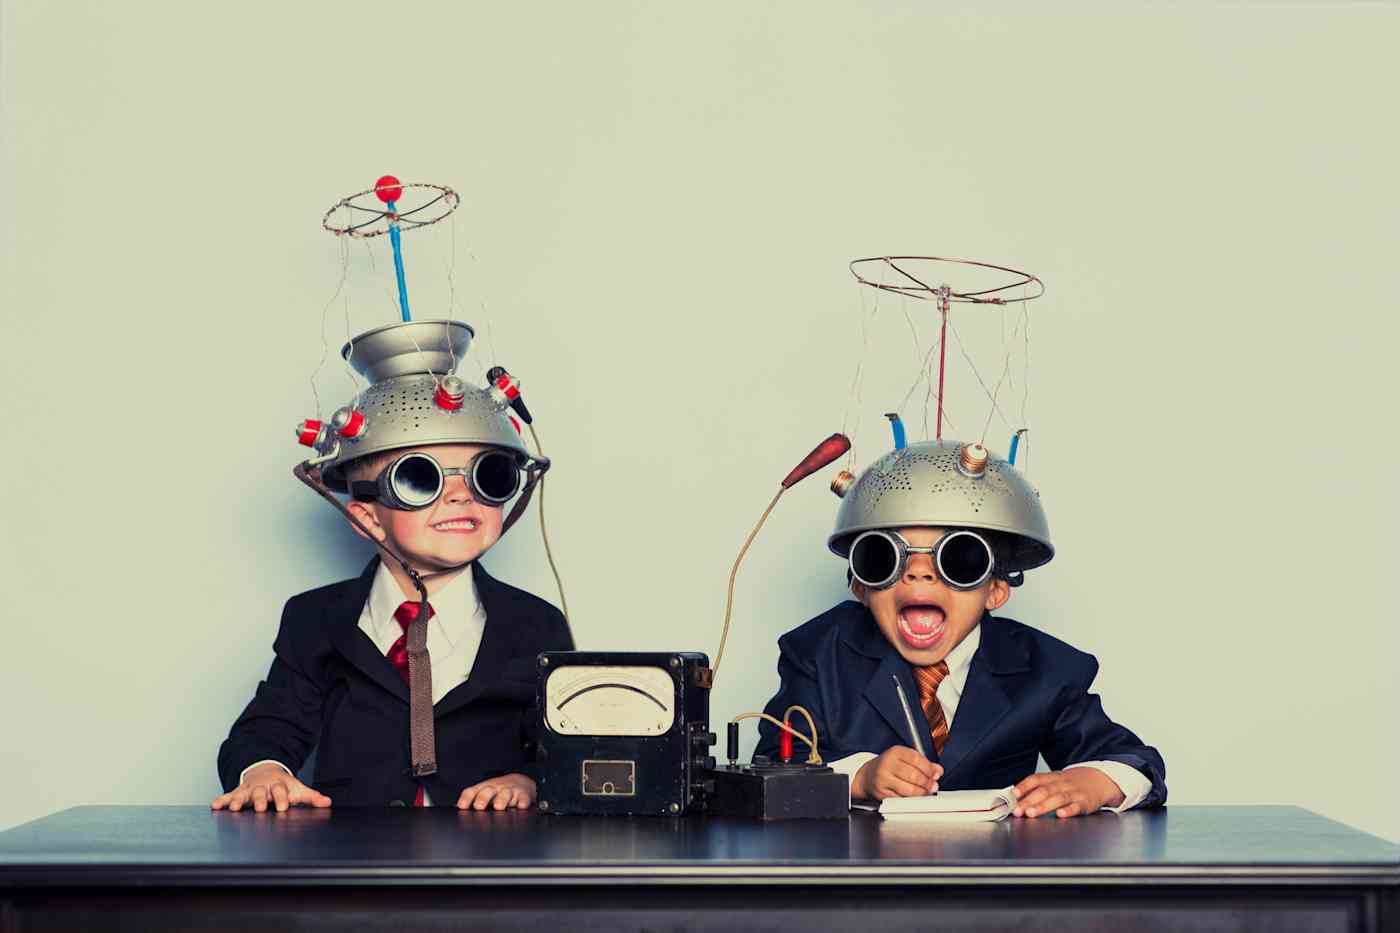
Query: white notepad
[[952, 806]]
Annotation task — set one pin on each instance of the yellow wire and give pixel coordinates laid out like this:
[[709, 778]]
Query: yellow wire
[[813, 758], [729, 600], [544, 533]]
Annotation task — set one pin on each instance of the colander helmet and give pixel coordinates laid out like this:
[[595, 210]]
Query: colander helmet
[[414, 399], [947, 484]]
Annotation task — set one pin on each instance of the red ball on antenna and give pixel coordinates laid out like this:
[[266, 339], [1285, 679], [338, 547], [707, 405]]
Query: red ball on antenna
[[388, 189]]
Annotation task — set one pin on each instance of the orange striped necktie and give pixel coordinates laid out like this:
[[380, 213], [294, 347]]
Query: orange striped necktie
[[928, 679]]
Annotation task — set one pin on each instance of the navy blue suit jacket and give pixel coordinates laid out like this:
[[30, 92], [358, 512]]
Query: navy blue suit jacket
[[330, 688], [1026, 694]]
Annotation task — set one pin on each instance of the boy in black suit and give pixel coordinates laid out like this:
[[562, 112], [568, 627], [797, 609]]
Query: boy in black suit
[[378, 686], [936, 535]]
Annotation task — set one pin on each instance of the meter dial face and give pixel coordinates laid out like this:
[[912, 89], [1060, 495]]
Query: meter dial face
[[609, 700]]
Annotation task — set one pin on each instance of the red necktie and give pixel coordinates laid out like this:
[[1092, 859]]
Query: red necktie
[[398, 654], [928, 679]]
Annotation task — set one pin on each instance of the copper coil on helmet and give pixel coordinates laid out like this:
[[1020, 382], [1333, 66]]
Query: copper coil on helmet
[[841, 482], [972, 459]]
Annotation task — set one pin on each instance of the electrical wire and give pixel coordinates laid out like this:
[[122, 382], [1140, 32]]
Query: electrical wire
[[813, 758], [544, 533], [729, 600]]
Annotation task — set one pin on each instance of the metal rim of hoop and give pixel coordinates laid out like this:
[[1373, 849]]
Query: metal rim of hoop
[[920, 289], [405, 219]]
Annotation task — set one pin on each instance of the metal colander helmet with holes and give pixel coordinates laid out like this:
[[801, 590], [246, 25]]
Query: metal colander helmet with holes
[[414, 399], [947, 484]]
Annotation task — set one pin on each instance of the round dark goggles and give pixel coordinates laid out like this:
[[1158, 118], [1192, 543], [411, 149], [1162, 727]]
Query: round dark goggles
[[963, 559], [415, 480]]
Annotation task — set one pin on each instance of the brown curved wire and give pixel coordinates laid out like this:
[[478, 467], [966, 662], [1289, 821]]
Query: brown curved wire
[[922, 290]]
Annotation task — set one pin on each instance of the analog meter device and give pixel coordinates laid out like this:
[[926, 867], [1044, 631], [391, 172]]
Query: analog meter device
[[623, 732], [628, 732]]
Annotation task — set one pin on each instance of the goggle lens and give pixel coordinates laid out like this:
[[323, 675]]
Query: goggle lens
[[964, 560], [874, 560], [495, 476], [416, 481]]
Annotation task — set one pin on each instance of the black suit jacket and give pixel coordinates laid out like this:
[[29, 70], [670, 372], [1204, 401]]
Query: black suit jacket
[[1026, 694], [330, 689]]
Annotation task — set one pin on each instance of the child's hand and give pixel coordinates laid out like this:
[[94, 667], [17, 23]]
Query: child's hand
[[499, 793], [1073, 792], [899, 772], [269, 782]]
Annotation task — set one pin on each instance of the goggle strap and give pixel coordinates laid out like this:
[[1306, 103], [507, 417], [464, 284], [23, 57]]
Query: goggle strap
[[535, 475], [362, 491]]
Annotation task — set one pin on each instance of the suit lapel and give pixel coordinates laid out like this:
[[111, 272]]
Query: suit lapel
[[881, 693], [343, 620], [494, 650], [984, 698], [865, 638]]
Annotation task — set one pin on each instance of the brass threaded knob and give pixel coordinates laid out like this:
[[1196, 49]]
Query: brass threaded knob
[[973, 458], [841, 483]]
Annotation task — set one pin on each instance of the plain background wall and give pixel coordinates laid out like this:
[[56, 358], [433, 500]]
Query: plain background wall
[[659, 202]]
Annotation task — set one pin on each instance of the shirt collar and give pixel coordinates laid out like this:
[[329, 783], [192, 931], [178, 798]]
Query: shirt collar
[[455, 606], [960, 658]]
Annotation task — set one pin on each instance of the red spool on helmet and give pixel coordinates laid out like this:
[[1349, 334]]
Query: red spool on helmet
[[450, 393], [354, 425], [308, 431]]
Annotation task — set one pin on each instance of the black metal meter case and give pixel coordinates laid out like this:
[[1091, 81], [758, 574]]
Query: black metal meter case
[[623, 732]]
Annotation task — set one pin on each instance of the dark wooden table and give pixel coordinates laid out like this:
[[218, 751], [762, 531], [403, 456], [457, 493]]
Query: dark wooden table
[[1184, 868]]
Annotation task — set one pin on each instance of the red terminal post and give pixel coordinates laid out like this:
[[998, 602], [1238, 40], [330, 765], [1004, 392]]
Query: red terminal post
[[308, 431], [785, 742], [450, 393], [354, 424]]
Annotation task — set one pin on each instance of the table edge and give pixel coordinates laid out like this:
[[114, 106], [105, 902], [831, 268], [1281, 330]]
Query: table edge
[[1207, 875]]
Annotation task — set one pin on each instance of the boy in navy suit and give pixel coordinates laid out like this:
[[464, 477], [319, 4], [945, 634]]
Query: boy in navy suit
[[414, 682], [935, 536]]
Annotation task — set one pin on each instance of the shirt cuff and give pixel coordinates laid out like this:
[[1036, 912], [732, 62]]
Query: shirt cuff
[[1132, 782], [266, 761], [849, 766]]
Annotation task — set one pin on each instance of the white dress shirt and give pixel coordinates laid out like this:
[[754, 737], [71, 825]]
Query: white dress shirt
[[454, 631], [1132, 782]]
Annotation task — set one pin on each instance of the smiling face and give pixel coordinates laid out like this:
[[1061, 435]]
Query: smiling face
[[920, 615], [453, 530]]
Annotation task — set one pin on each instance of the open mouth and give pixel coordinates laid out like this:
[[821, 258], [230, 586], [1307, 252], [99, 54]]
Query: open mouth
[[460, 526], [922, 624]]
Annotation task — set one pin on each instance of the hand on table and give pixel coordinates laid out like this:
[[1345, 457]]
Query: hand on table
[[269, 782], [1072, 792], [898, 772], [499, 793]]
